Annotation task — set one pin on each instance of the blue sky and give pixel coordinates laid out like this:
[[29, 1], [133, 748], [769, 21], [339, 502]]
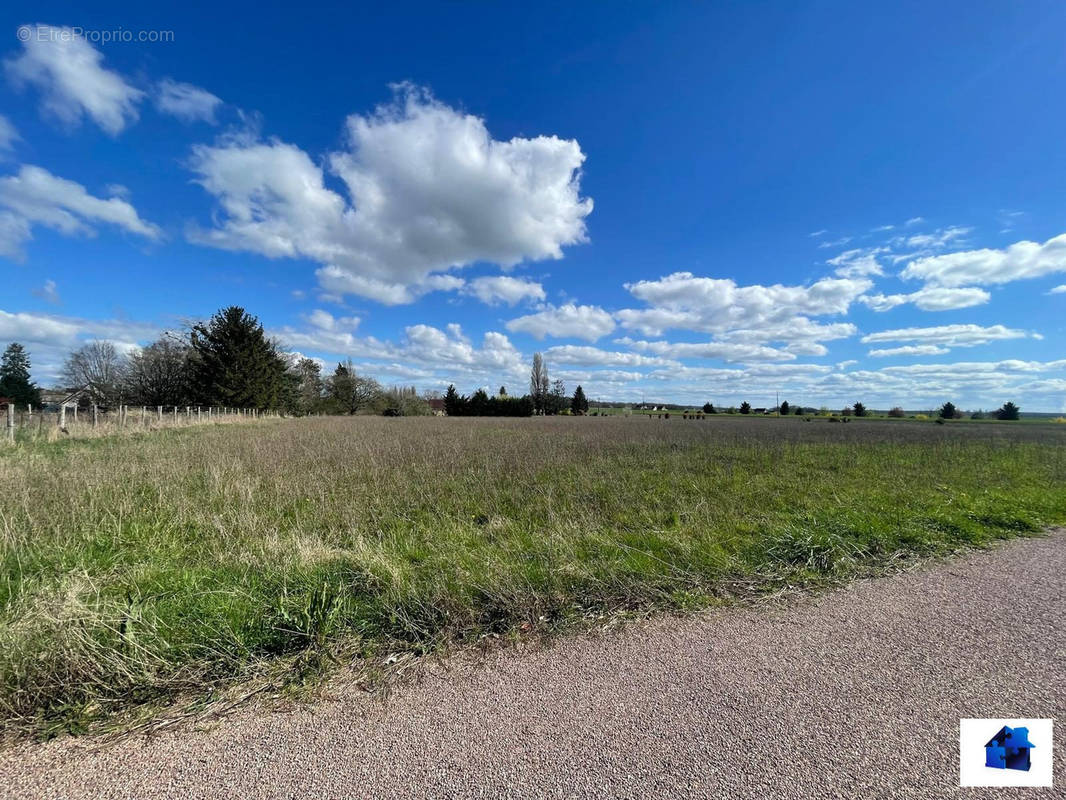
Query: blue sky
[[833, 201]]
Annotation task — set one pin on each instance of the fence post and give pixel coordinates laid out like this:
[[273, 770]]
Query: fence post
[[11, 422], [198, 413], [175, 413], [75, 412], [95, 413], [62, 415]]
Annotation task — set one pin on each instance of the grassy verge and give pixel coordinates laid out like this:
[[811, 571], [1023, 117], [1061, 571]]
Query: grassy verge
[[136, 569]]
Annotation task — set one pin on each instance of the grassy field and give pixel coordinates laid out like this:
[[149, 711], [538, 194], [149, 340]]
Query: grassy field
[[143, 568]]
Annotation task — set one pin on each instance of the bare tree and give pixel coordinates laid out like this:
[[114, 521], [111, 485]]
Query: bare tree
[[98, 367], [308, 375], [159, 374], [539, 384]]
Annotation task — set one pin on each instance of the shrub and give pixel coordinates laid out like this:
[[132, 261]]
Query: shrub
[[1008, 411], [897, 412], [948, 411]]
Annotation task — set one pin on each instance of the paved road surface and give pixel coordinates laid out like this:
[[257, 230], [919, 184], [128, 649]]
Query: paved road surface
[[853, 694]]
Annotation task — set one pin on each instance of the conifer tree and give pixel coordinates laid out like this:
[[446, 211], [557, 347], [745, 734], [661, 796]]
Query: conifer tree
[[15, 381]]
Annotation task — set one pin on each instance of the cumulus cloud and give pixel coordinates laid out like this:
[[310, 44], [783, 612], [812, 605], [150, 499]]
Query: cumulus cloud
[[69, 73], [1019, 261], [186, 102], [714, 305], [929, 299], [594, 356], [1061, 289], [962, 335], [566, 321], [505, 289], [428, 189], [724, 351], [35, 196], [910, 350]]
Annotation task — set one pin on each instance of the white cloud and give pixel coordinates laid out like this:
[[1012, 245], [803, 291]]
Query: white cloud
[[816, 234], [186, 102], [857, 263], [988, 266], [430, 190], [35, 196], [929, 299], [711, 305], [323, 320], [914, 221], [910, 350], [73, 82], [1061, 289], [934, 241], [8, 135], [505, 289], [724, 351], [593, 356], [566, 321], [48, 292], [962, 335]]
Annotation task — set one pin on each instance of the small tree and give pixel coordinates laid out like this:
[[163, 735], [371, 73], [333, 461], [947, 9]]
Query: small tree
[[948, 411], [745, 407], [351, 392], [309, 386], [797, 410], [98, 367], [897, 412], [453, 403], [556, 399], [579, 404], [1008, 411], [847, 411], [859, 410], [15, 381], [784, 408], [503, 391], [160, 374], [708, 408]]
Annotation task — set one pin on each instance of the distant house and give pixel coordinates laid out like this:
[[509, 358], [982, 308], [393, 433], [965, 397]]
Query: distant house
[[1009, 749], [57, 398], [758, 411], [436, 405]]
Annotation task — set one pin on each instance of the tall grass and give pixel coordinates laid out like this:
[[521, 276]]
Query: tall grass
[[134, 569]]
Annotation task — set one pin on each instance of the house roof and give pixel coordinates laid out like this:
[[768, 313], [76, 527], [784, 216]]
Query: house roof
[[1010, 737]]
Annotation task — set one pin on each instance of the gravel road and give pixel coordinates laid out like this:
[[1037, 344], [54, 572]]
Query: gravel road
[[856, 693]]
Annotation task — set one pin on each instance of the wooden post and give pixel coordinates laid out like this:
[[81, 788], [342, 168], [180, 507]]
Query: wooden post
[[75, 412], [175, 413], [62, 415], [11, 422], [188, 413], [142, 416], [198, 413], [95, 414]]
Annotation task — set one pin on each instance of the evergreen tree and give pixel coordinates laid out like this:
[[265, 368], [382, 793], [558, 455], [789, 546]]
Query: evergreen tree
[[579, 404], [454, 405], [503, 391], [745, 407], [15, 381], [948, 411], [1008, 411], [859, 409], [236, 365], [797, 410], [708, 408], [784, 408]]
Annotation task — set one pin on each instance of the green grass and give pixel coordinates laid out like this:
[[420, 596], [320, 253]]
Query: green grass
[[135, 570]]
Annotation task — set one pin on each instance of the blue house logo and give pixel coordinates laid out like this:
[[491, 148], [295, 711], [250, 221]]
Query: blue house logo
[[1009, 749]]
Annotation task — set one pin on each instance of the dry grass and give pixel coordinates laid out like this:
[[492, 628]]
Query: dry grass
[[136, 568]]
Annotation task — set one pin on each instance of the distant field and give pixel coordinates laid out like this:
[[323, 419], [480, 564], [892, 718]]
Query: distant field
[[136, 569]]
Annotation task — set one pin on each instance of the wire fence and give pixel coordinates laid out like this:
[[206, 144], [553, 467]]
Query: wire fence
[[27, 423]]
